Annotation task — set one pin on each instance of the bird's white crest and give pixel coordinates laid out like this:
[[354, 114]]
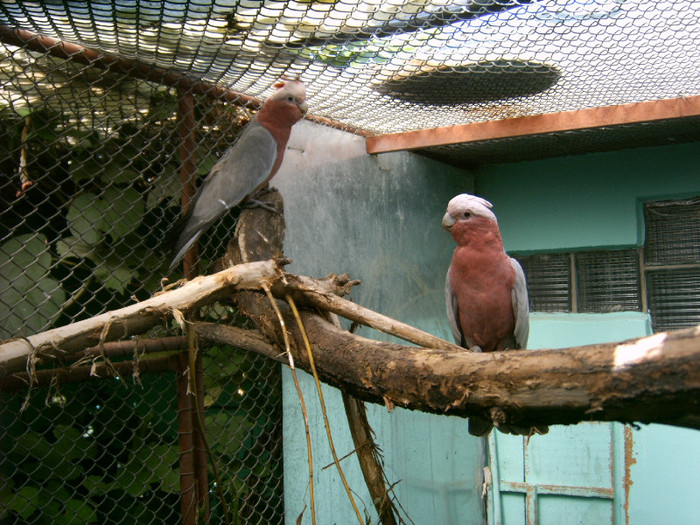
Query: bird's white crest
[[466, 202], [285, 88]]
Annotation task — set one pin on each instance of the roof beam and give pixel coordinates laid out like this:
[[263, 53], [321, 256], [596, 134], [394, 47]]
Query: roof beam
[[91, 57], [15, 36], [538, 124]]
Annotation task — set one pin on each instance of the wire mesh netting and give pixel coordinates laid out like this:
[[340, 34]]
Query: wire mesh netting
[[407, 64], [90, 188], [106, 451]]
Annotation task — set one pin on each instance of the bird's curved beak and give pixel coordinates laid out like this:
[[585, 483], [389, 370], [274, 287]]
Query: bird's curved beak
[[448, 221], [304, 107]]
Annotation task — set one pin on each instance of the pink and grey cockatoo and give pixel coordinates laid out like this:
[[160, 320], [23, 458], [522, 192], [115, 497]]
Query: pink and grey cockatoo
[[247, 166], [485, 289]]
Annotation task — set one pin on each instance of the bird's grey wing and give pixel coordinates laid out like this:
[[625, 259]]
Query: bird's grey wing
[[237, 173], [241, 169], [453, 312], [521, 306]]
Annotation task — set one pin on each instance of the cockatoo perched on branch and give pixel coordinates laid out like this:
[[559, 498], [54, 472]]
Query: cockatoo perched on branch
[[485, 289], [247, 166]]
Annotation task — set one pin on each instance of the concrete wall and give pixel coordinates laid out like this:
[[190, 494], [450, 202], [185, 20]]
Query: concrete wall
[[585, 201], [377, 218]]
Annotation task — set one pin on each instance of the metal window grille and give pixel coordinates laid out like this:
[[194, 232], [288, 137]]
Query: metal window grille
[[672, 231], [663, 279], [595, 281], [672, 262], [608, 281], [674, 298], [548, 281]]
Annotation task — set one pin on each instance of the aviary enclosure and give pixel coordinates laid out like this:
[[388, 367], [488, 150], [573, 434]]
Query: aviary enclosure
[[112, 111]]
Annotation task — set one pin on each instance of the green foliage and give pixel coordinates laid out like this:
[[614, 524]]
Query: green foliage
[[87, 237], [107, 452], [88, 453], [25, 283], [243, 425], [354, 54], [97, 223], [103, 203]]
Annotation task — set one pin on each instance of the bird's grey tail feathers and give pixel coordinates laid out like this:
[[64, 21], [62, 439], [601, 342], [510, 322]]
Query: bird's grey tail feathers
[[184, 242]]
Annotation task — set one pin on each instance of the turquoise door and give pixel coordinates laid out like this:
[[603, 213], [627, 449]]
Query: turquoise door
[[572, 475]]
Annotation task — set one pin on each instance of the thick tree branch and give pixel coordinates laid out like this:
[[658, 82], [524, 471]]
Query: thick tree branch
[[133, 319], [653, 379]]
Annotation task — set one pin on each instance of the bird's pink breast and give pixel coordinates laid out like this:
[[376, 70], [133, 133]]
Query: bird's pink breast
[[278, 118], [482, 281]]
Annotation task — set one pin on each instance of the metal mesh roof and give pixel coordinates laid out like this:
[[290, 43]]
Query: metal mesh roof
[[387, 67]]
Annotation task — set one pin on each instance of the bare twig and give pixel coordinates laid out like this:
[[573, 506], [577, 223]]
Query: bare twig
[[86, 373], [310, 294], [310, 355], [301, 400], [24, 179]]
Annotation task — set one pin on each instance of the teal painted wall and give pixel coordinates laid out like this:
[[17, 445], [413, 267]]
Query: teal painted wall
[[379, 219], [589, 202], [560, 330]]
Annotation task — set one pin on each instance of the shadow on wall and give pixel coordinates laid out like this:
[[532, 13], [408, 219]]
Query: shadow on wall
[[377, 218]]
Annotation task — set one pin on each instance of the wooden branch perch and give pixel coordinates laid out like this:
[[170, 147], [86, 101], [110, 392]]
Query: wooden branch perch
[[655, 379], [652, 379], [647, 380], [133, 319]]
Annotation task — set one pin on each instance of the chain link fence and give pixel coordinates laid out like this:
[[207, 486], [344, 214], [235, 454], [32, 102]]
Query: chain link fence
[[90, 184]]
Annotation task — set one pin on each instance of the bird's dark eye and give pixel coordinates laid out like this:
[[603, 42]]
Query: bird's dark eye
[[467, 214], [290, 99]]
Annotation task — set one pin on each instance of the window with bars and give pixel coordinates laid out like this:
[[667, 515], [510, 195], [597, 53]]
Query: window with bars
[[662, 278], [671, 262]]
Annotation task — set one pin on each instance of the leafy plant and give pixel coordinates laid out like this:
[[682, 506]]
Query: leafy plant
[[73, 456], [31, 296]]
